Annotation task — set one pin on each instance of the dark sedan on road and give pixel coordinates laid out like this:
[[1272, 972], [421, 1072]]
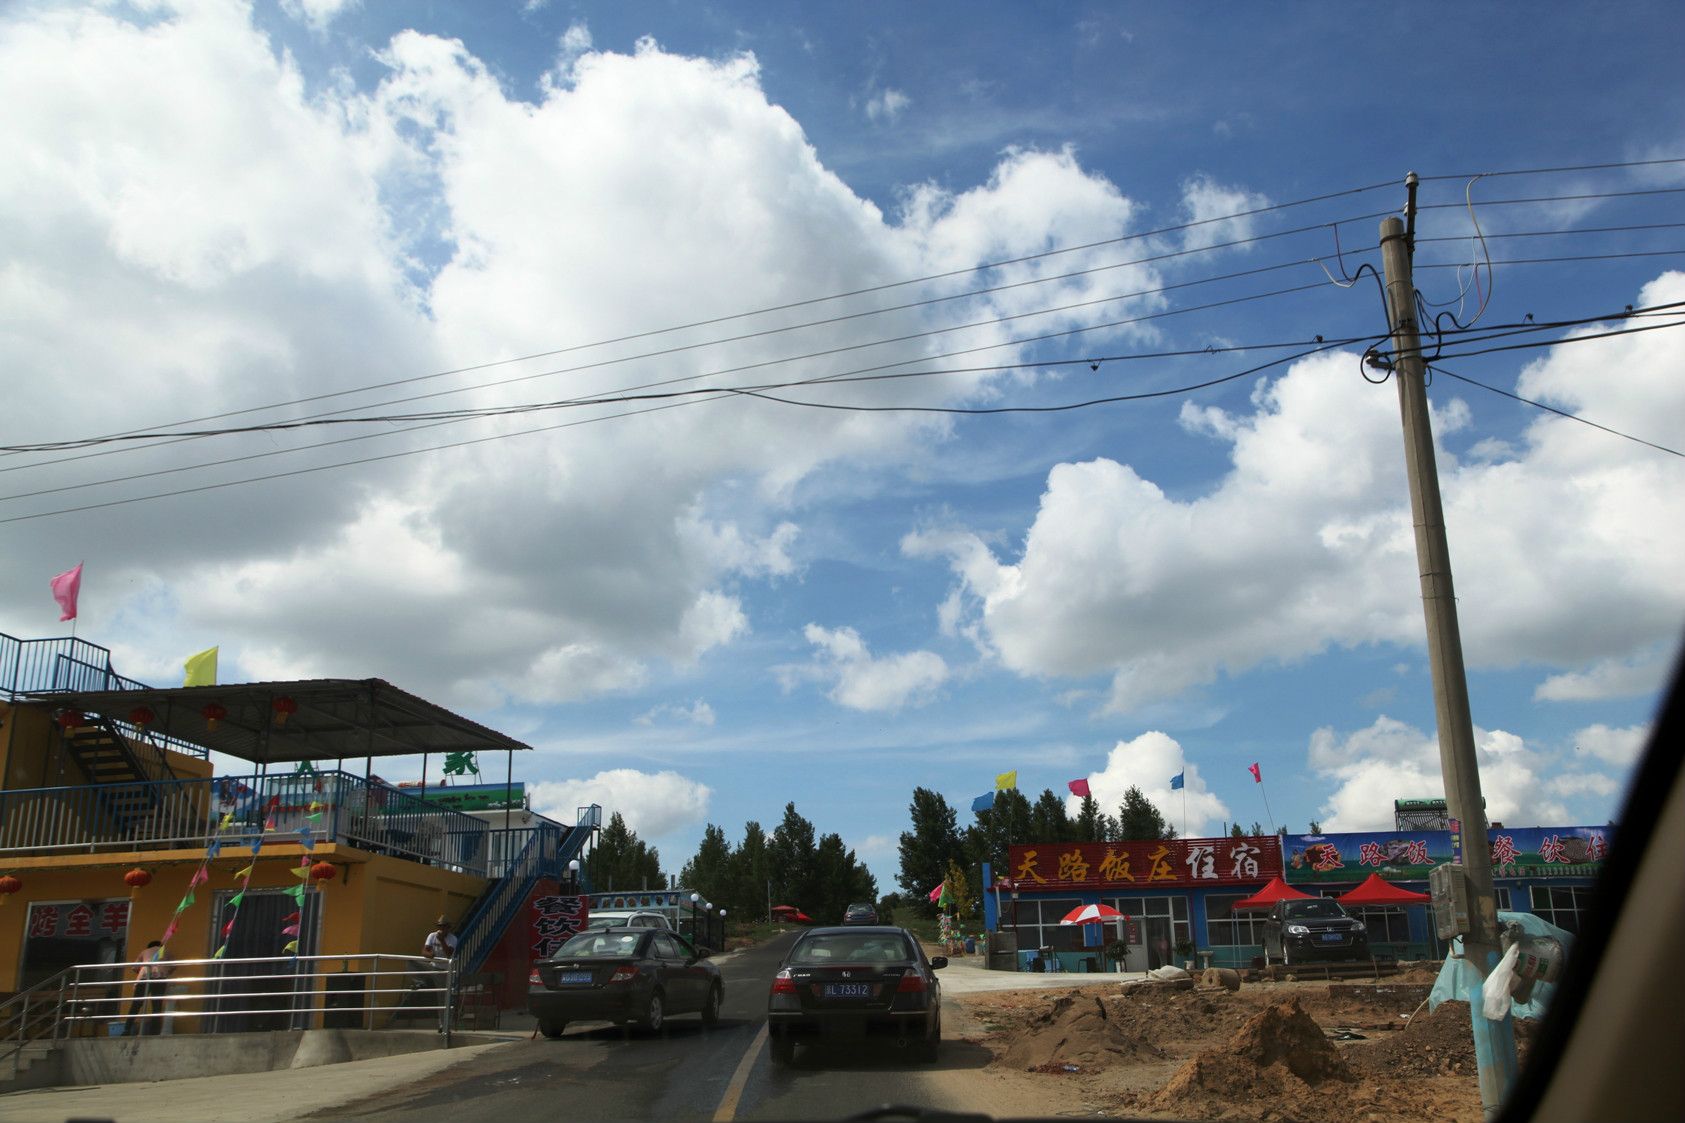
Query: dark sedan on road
[[1296, 931], [626, 976], [850, 982]]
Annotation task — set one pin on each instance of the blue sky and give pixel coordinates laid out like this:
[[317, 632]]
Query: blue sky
[[699, 613]]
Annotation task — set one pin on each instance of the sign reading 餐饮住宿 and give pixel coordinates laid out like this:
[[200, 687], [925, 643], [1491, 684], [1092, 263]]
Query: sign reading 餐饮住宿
[[1409, 855], [554, 919], [1168, 862]]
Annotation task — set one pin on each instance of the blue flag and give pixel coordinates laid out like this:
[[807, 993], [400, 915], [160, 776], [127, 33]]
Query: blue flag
[[1176, 780], [983, 802]]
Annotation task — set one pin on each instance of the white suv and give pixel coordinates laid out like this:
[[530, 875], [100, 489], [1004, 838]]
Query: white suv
[[619, 919]]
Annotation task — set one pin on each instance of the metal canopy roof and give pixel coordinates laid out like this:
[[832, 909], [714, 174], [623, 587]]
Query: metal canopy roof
[[335, 719]]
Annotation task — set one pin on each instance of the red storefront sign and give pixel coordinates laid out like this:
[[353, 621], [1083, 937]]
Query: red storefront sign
[[1181, 862]]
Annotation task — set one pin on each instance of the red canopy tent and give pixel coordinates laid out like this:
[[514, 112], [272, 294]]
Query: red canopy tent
[[1276, 890], [1376, 890]]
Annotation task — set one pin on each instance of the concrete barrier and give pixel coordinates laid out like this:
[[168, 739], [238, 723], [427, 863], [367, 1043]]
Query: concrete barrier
[[123, 1060]]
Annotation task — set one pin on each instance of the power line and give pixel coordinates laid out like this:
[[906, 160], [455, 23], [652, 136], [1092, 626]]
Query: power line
[[1568, 168], [914, 281], [810, 301], [1552, 409]]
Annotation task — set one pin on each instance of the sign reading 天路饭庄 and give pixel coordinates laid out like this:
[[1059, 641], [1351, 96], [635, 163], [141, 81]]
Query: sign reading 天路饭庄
[[1168, 862]]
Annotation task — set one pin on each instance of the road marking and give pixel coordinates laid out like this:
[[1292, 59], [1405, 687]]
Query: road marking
[[734, 1090]]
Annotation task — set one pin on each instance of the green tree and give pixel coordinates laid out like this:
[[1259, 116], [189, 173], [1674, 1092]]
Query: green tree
[[710, 870], [750, 871], [1137, 818], [927, 849], [961, 900], [790, 860], [839, 880], [1089, 825], [621, 860], [1005, 824], [1235, 831], [1316, 827], [1048, 821]]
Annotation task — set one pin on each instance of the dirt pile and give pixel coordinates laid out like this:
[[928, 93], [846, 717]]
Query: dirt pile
[[1078, 1030], [1440, 1043], [1279, 1056]]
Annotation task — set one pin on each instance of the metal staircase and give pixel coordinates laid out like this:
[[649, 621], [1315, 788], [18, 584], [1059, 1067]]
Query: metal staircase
[[125, 788], [546, 854]]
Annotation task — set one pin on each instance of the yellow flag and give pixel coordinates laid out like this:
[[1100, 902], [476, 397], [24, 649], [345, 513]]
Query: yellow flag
[[201, 668], [1006, 780]]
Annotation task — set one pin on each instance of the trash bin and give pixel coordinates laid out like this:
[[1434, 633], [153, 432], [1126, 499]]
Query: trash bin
[[1091, 965], [971, 945]]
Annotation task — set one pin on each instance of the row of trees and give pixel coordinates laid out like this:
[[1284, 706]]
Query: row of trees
[[819, 875]]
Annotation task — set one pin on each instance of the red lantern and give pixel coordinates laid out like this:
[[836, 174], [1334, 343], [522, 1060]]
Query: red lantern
[[142, 716], [284, 708], [214, 713], [323, 871], [137, 878], [70, 719], [9, 885]]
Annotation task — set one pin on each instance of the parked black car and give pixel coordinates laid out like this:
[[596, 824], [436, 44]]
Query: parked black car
[[623, 975], [860, 914], [1297, 931], [851, 982]]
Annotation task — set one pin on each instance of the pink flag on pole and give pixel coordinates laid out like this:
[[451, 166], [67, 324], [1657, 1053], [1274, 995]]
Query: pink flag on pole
[[936, 893], [1078, 787], [1257, 776], [67, 586]]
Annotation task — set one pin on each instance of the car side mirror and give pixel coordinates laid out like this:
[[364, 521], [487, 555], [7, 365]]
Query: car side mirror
[[938, 962]]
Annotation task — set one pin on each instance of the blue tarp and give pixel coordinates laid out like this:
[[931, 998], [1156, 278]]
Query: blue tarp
[[1458, 976]]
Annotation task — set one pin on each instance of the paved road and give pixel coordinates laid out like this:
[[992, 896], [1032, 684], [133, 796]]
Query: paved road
[[685, 1072]]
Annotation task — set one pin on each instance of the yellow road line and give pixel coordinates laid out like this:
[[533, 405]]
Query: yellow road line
[[734, 1090]]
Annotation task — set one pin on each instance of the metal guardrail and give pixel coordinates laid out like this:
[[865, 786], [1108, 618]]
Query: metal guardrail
[[46, 666], [233, 995], [368, 814]]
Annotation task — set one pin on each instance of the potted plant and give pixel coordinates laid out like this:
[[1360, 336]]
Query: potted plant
[[1185, 949], [1114, 953]]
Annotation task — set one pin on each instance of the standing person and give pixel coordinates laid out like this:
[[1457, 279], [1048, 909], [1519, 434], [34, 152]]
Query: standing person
[[149, 990], [440, 947]]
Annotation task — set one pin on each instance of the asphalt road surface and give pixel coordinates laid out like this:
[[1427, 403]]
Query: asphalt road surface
[[685, 1072]]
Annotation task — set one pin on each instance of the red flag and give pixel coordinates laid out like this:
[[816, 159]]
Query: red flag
[[1078, 787], [67, 586], [1257, 776]]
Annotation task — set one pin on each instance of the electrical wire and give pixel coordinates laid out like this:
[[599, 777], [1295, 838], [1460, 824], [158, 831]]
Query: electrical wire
[[1559, 412], [1552, 171]]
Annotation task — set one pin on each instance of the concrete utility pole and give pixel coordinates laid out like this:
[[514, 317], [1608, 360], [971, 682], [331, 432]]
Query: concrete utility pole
[[1494, 1041]]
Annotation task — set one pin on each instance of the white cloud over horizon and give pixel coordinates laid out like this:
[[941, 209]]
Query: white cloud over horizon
[[860, 680], [654, 804], [1148, 762]]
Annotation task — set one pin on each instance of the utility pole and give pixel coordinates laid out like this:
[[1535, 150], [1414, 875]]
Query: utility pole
[[1494, 1041]]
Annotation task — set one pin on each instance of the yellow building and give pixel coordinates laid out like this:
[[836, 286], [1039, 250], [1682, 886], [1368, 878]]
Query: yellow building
[[116, 829]]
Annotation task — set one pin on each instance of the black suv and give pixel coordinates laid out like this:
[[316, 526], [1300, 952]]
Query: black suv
[[860, 914], [1296, 931]]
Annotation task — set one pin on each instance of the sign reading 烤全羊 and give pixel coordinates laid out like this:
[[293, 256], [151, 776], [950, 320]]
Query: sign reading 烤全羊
[[1409, 855], [1169, 862]]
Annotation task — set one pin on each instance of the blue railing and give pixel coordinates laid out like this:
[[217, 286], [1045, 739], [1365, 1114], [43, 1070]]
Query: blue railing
[[49, 666], [162, 814], [546, 854]]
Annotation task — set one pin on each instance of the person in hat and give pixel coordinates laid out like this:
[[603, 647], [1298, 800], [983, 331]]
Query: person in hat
[[440, 947]]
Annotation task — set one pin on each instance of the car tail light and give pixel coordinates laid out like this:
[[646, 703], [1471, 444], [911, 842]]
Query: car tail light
[[624, 974], [783, 984], [911, 983], [534, 979]]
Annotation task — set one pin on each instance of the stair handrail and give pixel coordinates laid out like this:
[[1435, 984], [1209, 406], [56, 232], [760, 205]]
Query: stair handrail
[[21, 1016]]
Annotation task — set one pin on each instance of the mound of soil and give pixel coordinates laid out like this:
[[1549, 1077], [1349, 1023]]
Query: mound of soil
[[1279, 1055], [1432, 1044], [1077, 1029]]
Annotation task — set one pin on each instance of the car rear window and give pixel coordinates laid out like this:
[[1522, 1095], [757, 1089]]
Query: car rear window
[[841, 948], [607, 945]]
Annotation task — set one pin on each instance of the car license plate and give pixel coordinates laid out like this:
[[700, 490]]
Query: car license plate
[[1330, 937], [573, 978], [848, 990]]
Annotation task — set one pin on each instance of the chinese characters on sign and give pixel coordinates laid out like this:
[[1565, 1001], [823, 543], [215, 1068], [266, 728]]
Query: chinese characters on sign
[[80, 920], [554, 919], [1519, 852], [1206, 861]]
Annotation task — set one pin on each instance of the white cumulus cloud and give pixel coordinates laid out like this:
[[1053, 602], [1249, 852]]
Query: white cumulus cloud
[[1148, 762], [1616, 746], [653, 803], [861, 681], [887, 105]]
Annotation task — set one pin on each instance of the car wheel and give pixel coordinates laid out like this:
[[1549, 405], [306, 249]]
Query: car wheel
[[552, 1030], [930, 1048], [783, 1050], [711, 1008], [654, 1013]]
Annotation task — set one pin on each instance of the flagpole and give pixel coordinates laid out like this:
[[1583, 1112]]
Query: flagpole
[[1266, 794]]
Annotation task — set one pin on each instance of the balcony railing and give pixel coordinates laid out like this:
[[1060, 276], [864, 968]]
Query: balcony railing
[[47, 666], [166, 814]]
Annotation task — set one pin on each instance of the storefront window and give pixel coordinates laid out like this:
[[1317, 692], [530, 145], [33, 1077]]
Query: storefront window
[[1561, 905], [1228, 928], [1160, 923], [1038, 924], [59, 934]]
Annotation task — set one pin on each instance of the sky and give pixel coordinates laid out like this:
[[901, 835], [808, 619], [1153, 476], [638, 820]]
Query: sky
[[696, 605]]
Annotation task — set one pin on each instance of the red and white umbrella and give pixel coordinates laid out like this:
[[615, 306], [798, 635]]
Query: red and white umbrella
[[1092, 914]]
